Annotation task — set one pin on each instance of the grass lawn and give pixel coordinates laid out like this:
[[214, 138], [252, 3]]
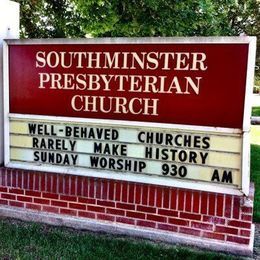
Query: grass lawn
[[256, 111], [255, 168], [19, 240]]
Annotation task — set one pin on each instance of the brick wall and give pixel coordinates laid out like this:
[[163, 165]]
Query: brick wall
[[202, 214]]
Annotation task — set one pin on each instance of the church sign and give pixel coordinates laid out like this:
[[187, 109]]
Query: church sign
[[171, 111]]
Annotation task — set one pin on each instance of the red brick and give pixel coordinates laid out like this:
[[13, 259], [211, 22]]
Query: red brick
[[214, 220], [247, 209], [159, 197], [212, 235], [151, 196], [204, 203], [61, 181], [33, 206], [190, 216], [188, 202], [50, 209], [236, 207], [173, 199], [168, 213], [196, 202], [106, 203], [79, 186], [86, 200], [240, 224], [30, 181], [3, 174], [167, 227], [41, 201], [24, 198], [104, 190], [8, 196], [96, 208], [77, 206], [125, 206], [118, 191], [16, 191], [3, 189], [105, 217], [245, 233], [50, 195], [98, 188], [68, 212], [49, 182], [9, 178], [91, 185], [144, 223], [86, 214], [189, 231], [228, 205], [146, 209], [132, 214], [144, 194], [73, 185], [16, 204], [212, 204], [14, 178], [200, 225], [131, 193], [54, 183], [115, 211], [124, 191], [66, 184], [33, 193], [111, 190], [156, 218], [220, 204], [36, 181], [3, 202], [239, 240], [138, 194], [68, 198], [246, 217], [166, 198], [59, 203], [125, 220], [178, 221], [181, 195], [227, 230], [85, 188], [43, 182]]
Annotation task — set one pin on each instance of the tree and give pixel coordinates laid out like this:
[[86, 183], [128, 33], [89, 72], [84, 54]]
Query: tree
[[49, 19]]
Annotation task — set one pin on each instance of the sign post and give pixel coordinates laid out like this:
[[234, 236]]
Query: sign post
[[166, 112], [149, 134], [9, 29]]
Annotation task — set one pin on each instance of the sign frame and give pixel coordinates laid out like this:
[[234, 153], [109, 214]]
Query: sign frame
[[187, 184]]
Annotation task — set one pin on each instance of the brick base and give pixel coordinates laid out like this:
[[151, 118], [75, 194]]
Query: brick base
[[201, 215]]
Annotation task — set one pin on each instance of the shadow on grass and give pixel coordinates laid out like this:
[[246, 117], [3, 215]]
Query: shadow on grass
[[20, 240], [255, 177]]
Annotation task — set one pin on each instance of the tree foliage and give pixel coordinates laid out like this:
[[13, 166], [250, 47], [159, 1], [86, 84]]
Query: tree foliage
[[169, 17], [49, 19]]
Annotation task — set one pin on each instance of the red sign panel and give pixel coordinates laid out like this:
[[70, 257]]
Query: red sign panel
[[193, 84]]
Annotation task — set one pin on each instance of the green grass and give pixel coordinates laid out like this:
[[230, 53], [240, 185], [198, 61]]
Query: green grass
[[255, 169], [256, 111], [255, 177], [19, 240]]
